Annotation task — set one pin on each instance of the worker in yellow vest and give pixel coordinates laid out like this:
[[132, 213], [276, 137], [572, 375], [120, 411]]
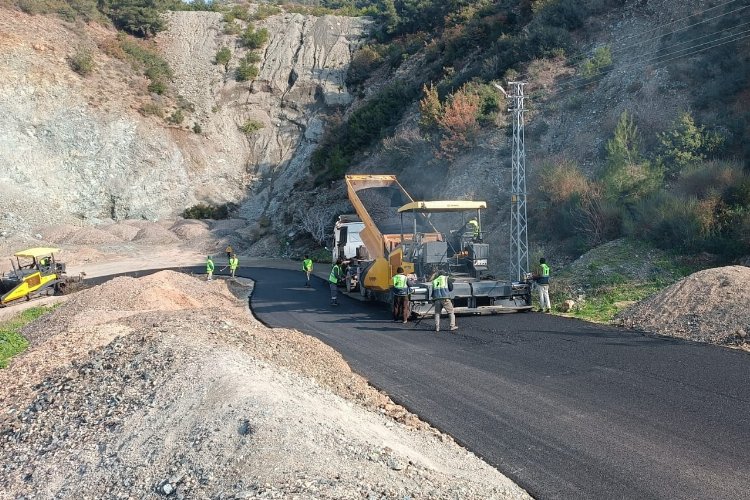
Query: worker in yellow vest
[[307, 268], [441, 295], [400, 296], [209, 268], [234, 263]]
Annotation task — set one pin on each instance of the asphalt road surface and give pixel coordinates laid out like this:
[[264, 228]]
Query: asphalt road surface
[[565, 408]]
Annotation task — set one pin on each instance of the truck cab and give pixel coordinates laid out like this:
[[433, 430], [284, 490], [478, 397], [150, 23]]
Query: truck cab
[[347, 243]]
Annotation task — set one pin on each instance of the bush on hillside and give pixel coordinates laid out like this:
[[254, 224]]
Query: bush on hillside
[[141, 18], [251, 126], [154, 67], [204, 211], [363, 62], [686, 145], [254, 39], [82, 62], [627, 175], [223, 56]]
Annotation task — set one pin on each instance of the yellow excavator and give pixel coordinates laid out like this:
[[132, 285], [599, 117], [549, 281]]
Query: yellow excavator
[[34, 271]]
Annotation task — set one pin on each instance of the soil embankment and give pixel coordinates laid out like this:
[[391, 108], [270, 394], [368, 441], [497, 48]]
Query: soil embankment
[[165, 385]]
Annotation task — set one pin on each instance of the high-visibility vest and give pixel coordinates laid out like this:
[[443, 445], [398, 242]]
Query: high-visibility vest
[[474, 227], [307, 265], [209, 265], [440, 287], [233, 263], [399, 284], [544, 278], [335, 273]]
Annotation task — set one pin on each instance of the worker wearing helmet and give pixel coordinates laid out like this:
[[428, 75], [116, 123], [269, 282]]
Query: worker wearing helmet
[[474, 227], [441, 295], [400, 296]]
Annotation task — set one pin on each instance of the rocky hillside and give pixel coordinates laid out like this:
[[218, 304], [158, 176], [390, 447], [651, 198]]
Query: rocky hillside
[[101, 146]]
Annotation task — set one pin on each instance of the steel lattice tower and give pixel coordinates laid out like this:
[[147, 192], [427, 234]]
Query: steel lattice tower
[[519, 245]]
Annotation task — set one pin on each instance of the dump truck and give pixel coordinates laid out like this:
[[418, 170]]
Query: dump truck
[[34, 272], [422, 237]]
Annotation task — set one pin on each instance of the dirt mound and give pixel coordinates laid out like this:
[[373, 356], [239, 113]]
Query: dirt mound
[[58, 233], [190, 229], [707, 306], [91, 236], [124, 231], [190, 397], [154, 234]]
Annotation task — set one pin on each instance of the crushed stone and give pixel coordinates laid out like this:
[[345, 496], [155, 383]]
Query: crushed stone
[[166, 386], [707, 306]]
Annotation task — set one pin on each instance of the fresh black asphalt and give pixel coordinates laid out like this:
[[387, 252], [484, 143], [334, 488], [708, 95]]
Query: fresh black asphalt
[[565, 408]]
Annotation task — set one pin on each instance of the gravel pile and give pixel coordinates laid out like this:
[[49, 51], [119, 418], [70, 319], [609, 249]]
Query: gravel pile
[[707, 306], [166, 386], [57, 233], [123, 231], [91, 236], [190, 229], [155, 234]]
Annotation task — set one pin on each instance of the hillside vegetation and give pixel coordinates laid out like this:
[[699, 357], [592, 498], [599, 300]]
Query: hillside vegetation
[[675, 174]]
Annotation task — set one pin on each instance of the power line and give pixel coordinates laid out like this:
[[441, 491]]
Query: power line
[[582, 54], [646, 58], [658, 64]]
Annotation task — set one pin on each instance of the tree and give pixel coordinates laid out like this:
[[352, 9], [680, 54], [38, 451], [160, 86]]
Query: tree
[[458, 123], [686, 145], [137, 17], [430, 108], [627, 175]]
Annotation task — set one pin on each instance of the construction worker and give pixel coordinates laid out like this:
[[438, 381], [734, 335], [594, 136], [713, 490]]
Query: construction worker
[[229, 252], [473, 225], [209, 268], [542, 282], [333, 281], [234, 263], [400, 296], [307, 268], [441, 295]]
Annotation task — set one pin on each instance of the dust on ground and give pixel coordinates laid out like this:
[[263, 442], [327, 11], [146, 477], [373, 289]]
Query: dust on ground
[[166, 385], [707, 306]]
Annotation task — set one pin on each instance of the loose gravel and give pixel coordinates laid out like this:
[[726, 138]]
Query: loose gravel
[[165, 386]]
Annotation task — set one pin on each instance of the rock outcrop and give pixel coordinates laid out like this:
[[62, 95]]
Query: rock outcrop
[[74, 147]]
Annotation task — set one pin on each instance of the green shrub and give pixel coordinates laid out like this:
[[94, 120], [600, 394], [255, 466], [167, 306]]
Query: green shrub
[[237, 12], [232, 28], [152, 109], [363, 62], [154, 67], [246, 71], [365, 126], [601, 59], [197, 128], [686, 145], [251, 126], [265, 10], [157, 87], [82, 62], [141, 18], [204, 211], [12, 341], [668, 221], [223, 56], [176, 117], [252, 38]]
